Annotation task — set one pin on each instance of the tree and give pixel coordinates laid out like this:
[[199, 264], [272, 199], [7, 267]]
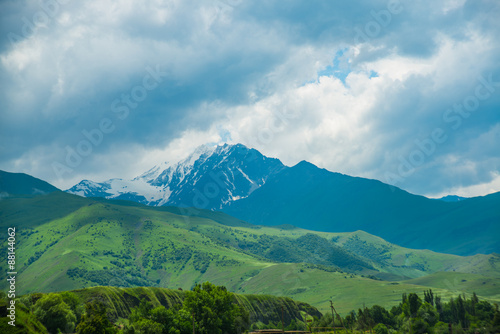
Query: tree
[[381, 329], [414, 304], [419, 326], [439, 306], [213, 309], [485, 311], [365, 321], [350, 319], [140, 312], [182, 322], [380, 315], [55, 314], [429, 297], [148, 326], [495, 323], [74, 304], [461, 312], [428, 314], [474, 302], [145, 319], [95, 320]]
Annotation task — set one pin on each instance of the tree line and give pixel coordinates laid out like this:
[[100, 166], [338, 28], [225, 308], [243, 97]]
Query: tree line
[[418, 316], [211, 309]]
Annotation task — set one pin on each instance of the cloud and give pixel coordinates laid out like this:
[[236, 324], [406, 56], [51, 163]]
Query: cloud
[[350, 86]]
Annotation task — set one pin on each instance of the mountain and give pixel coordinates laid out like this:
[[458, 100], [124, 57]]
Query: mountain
[[452, 198], [20, 183], [314, 198], [262, 191], [97, 242], [210, 178]]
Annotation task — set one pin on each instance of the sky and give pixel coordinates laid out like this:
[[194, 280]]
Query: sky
[[406, 92]]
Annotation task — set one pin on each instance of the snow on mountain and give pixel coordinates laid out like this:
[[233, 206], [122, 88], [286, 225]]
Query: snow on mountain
[[88, 188], [211, 177], [174, 174], [136, 189], [168, 168]]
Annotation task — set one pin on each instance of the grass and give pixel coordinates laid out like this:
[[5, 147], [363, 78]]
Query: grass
[[97, 242], [349, 292]]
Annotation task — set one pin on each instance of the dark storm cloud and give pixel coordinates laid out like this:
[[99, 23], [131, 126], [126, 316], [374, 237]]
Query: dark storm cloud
[[67, 66]]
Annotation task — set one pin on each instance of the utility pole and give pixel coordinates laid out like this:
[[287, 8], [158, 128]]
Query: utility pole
[[282, 322], [333, 318], [341, 321]]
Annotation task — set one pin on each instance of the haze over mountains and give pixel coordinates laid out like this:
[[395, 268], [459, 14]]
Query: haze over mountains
[[261, 190]]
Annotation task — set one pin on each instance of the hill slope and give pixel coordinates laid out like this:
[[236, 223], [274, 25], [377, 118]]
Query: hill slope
[[94, 242], [263, 308]]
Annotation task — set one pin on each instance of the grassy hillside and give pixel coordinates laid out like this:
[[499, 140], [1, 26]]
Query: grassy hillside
[[453, 281], [349, 292], [89, 242]]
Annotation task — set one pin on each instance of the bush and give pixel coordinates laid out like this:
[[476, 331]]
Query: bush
[[148, 326], [55, 314], [419, 326], [381, 329], [95, 320], [213, 309]]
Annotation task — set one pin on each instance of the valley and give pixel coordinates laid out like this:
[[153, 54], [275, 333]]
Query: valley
[[97, 242]]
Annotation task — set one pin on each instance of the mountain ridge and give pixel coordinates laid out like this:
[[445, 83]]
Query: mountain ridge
[[305, 195], [232, 172], [260, 190], [23, 184]]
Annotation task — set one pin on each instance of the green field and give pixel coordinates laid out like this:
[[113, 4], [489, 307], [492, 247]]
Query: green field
[[94, 242]]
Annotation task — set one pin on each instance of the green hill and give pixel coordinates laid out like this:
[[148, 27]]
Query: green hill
[[95, 242], [119, 303]]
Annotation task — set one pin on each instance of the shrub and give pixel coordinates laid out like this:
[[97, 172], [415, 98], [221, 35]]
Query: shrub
[[381, 329], [55, 314]]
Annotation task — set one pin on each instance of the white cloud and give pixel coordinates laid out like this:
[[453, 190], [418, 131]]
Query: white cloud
[[252, 69], [480, 189]]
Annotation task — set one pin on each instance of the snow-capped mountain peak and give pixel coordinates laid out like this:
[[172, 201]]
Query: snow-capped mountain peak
[[152, 174], [210, 177]]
